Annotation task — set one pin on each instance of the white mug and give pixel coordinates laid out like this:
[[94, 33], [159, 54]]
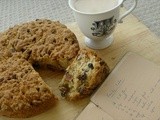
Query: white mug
[[98, 26]]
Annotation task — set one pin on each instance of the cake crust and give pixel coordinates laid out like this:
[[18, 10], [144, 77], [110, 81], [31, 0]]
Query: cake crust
[[42, 42], [22, 91]]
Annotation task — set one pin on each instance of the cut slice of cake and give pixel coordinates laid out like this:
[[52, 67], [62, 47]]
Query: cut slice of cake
[[83, 76]]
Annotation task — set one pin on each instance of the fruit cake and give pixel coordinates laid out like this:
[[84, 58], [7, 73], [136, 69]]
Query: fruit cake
[[42, 42], [83, 76], [22, 91]]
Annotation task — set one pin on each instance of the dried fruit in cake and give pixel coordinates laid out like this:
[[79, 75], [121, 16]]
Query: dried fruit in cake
[[83, 76]]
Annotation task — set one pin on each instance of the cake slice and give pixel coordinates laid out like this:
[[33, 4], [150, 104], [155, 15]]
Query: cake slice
[[83, 76]]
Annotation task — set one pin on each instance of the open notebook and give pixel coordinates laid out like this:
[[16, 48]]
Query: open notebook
[[130, 92]]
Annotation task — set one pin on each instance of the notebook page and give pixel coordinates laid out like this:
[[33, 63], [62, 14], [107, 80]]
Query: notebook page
[[92, 112], [131, 91]]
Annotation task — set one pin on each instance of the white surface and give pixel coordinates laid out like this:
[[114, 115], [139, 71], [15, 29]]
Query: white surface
[[17, 11], [14, 11], [148, 12]]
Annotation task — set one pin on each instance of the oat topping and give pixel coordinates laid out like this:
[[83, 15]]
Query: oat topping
[[43, 42]]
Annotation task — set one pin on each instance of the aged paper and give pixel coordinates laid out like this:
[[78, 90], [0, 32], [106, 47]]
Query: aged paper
[[131, 91], [92, 112]]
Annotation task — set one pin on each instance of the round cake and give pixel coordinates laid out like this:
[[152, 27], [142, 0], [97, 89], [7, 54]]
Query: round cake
[[43, 42]]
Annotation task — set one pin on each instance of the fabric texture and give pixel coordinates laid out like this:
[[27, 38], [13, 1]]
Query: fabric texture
[[18, 11]]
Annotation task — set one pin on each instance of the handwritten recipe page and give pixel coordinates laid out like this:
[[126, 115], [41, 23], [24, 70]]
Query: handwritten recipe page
[[131, 91]]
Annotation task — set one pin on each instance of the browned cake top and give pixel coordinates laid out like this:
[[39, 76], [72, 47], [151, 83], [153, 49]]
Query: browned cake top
[[22, 91], [20, 86], [42, 41]]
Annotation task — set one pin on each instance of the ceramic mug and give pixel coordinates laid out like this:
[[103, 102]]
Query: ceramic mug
[[99, 26]]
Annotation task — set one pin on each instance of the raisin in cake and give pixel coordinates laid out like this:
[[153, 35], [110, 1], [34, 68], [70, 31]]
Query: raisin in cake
[[22, 91], [86, 72], [45, 42]]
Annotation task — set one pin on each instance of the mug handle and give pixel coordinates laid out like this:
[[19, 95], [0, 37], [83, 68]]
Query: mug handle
[[127, 12]]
